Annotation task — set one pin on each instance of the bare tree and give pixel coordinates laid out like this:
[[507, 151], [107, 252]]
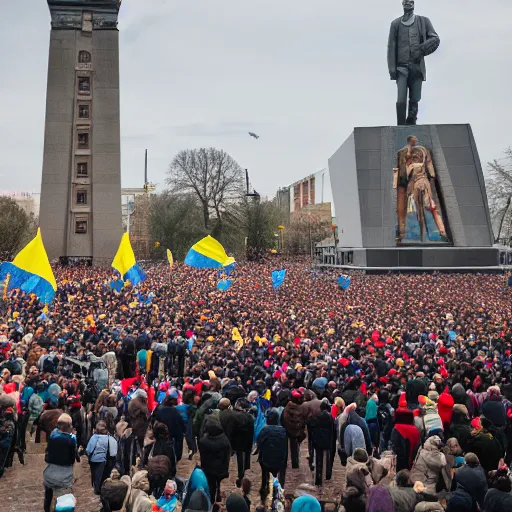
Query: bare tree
[[212, 175], [499, 193]]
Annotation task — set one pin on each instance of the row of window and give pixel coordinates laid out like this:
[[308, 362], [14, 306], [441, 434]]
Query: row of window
[[82, 169]]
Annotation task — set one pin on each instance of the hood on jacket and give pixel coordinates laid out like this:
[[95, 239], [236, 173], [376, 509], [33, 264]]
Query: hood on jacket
[[236, 503], [198, 502], [459, 394], [433, 443], [306, 503], [140, 481]]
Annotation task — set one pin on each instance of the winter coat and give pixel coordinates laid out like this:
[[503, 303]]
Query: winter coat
[[210, 403], [430, 466], [497, 501], [215, 452], [239, 429], [404, 498], [473, 481], [273, 447], [461, 397], [429, 506], [310, 408], [461, 500], [363, 475], [61, 449], [486, 447], [47, 423], [153, 454], [139, 500], [322, 431], [292, 419], [354, 438], [171, 417], [355, 396], [460, 428], [138, 415], [353, 500], [355, 419]]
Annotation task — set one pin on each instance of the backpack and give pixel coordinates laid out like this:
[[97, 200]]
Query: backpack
[[384, 418], [48, 364]]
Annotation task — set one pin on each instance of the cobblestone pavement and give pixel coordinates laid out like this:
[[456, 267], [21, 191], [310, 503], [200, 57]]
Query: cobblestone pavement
[[21, 487]]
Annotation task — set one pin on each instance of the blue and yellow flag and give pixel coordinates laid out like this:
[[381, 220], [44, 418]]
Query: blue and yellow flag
[[278, 278], [124, 262], [30, 271], [208, 253]]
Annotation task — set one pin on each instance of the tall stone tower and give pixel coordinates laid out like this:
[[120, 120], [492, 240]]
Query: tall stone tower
[[80, 214]]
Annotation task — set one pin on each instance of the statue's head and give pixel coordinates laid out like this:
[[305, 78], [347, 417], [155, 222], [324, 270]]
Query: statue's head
[[412, 140], [408, 6]]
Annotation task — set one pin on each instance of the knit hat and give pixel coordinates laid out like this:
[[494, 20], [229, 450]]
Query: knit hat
[[445, 407], [433, 395]]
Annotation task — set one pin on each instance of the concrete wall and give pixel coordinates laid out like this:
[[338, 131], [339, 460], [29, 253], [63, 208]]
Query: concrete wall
[[362, 183], [58, 141], [343, 174], [106, 145]]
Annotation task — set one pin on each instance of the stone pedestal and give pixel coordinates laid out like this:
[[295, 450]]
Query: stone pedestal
[[361, 173]]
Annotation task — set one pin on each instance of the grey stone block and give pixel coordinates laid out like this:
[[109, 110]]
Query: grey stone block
[[369, 156]]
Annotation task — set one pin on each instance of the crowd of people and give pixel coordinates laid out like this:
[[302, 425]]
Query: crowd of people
[[404, 380]]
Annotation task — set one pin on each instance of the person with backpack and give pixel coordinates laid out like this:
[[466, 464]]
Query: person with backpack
[[168, 414], [215, 452], [324, 441], [385, 415], [272, 443], [293, 421], [238, 425], [159, 459], [102, 451]]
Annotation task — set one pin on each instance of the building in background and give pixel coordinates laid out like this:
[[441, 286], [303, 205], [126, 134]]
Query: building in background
[[311, 195], [80, 214], [28, 201]]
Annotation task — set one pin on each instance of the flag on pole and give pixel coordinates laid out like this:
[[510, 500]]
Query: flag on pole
[[170, 259], [124, 262], [30, 271], [208, 253]]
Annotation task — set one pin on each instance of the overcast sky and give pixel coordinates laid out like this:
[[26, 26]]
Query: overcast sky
[[300, 73]]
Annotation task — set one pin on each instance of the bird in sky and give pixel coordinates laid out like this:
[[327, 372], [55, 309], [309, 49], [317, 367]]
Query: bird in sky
[[254, 135]]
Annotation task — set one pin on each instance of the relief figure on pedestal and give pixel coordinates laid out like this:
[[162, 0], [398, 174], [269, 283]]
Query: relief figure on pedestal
[[419, 213]]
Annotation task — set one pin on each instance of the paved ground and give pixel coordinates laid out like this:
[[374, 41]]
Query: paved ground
[[21, 487]]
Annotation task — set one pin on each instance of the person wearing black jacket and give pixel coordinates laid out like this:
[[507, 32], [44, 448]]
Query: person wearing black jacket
[[167, 414], [215, 452], [272, 445], [324, 441], [160, 460], [239, 429]]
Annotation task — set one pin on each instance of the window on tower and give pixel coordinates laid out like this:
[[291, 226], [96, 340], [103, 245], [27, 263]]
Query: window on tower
[[81, 170], [81, 226], [84, 57], [83, 111], [84, 85], [83, 141], [81, 197]]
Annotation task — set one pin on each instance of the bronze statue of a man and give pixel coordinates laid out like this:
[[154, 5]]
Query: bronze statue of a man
[[411, 38]]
